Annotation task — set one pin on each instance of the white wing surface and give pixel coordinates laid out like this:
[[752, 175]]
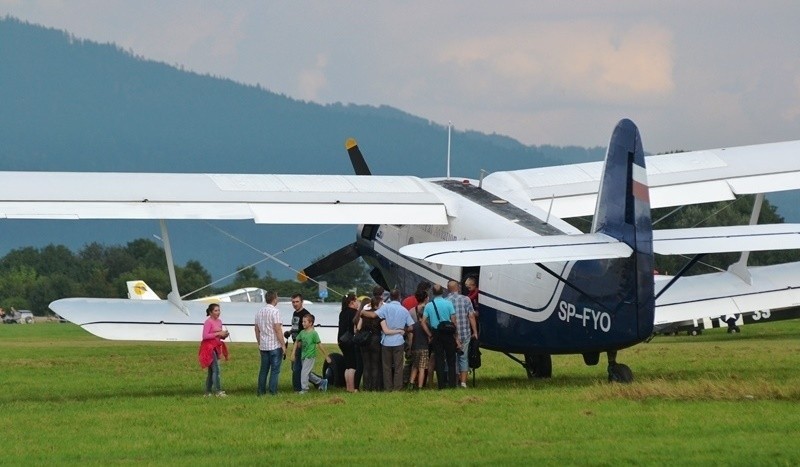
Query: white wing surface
[[267, 199], [159, 320], [674, 179], [727, 239], [724, 293], [498, 251]]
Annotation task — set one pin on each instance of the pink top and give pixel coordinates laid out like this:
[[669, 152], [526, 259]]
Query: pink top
[[210, 327]]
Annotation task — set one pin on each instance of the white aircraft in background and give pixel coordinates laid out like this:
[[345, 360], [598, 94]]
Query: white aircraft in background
[[545, 287], [326, 314], [139, 290]]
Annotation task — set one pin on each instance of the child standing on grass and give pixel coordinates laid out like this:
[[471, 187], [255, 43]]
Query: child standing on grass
[[212, 348], [309, 344]]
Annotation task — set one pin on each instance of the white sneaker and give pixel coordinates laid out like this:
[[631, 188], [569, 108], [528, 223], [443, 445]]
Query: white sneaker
[[463, 385], [222, 394]]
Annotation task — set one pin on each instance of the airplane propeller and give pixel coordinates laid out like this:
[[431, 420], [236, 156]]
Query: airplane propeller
[[356, 158], [331, 262], [350, 252]]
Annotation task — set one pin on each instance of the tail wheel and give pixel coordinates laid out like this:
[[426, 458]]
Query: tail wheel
[[619, 373]]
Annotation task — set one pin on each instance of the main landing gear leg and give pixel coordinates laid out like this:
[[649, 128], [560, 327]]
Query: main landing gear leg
[[538, 365], [618, 372]]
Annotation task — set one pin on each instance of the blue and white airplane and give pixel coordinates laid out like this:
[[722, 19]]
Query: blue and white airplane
[[545, 287]]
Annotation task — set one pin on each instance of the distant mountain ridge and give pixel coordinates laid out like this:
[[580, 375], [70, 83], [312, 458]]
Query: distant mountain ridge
[[70, 104]]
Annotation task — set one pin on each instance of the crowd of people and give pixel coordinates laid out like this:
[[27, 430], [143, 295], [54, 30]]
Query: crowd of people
[[386, 343], [407, 341]]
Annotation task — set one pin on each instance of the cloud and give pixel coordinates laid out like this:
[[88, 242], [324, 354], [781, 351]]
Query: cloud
[[312, 80], [578, 60], [198, 30], [792, 111]]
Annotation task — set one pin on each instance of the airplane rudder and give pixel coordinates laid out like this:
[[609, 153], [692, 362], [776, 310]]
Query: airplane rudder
[[623, 212], [623, 200]]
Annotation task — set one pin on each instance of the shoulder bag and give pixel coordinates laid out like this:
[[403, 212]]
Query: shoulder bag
[[444, 327]]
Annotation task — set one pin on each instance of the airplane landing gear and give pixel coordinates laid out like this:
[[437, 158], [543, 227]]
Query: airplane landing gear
[[618, 372], [732, 327], [538, 366]]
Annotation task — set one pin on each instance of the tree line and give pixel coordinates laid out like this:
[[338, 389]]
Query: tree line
[[31, 278]]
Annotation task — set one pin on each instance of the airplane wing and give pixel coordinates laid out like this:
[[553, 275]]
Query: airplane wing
[[267, 199], [726, 239], [724, 293], [674, 179]]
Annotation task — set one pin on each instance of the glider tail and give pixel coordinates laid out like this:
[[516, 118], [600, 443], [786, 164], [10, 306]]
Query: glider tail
[[623, 212], [138, 290]]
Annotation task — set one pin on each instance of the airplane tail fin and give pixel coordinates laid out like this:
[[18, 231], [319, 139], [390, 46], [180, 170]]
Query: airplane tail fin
[[138, 290], [623, 212]]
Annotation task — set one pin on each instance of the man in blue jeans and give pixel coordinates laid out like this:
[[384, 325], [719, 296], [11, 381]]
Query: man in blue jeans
[[269, 334]]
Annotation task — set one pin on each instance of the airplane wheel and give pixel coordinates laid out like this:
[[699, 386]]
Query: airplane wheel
[[28, 320], [334, 371], [539, 366], [619, 373], [695, 332], [734, 330]]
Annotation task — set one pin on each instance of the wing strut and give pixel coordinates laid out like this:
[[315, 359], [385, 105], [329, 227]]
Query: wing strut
[[680, 273], [740, 267], [173, 296]]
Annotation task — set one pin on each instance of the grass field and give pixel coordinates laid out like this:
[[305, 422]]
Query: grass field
[[68, 397]]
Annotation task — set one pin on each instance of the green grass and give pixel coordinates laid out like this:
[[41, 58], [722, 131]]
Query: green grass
[[68, 397]]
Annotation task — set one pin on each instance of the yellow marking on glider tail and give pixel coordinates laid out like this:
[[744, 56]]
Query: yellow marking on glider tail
[[140, 288]]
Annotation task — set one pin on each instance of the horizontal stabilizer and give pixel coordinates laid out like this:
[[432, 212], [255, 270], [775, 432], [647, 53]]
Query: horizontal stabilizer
[[726, 239], [496, 251]]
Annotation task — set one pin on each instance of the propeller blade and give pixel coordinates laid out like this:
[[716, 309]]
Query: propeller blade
[[329, 263], [356, 158], [377, 276]]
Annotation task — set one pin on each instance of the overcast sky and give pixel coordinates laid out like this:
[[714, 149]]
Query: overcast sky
[[692, 75]]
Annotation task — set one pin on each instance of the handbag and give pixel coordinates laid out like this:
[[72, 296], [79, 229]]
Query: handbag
[[474, 356], [362, 337], [444, 327], [346, 338]]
